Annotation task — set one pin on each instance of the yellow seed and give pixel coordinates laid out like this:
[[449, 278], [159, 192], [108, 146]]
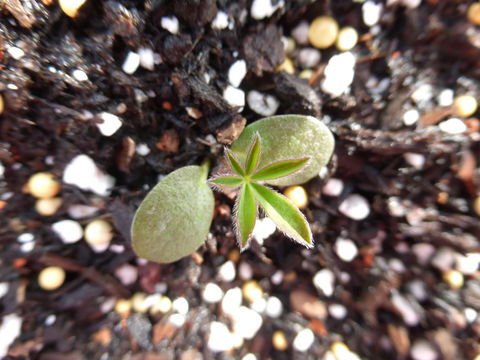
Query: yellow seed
[[70, 7], [297, 195], [306, 74], [138, 302], [473, 13], [164, 305], [476, 205], [51, 278], [347, 38], [251, 290], [323, 32], [123, 306], [98, 232], [279, 340], [477, 357], [286, 66], [289, 45], [42, 185], [453, 278], [1, 104], [234, 255], [466, 105], [340, 350], [48, 207]]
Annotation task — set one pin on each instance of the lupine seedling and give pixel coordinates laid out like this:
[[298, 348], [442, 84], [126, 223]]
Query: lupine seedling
[[175, 217], [248, 178]]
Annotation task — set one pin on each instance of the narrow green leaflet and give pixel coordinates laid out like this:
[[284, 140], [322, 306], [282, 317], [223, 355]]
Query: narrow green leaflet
[[174, 219], [234, 163], [279, 169], [246, 214], [285, 215], [226, 181], [253, 155]]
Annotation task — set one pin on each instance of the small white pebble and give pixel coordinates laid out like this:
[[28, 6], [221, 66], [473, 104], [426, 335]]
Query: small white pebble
[[220, 338], [259, 305], [264, 8], [337, 311], [346, 249], [324, 280], [235, 97], [415, 160], [221, 21], [445, 98], [212, 293], [10, 329], [177, 320], [227, 272], [232, 300], [246, 322], [339, 74], [245, 271], [263, 104], [453, 126], [237, 72], [180, 305], [355, 207], [131, 63], [147, 58], [50, 320], [27, 247], [470, 314], [15, 52], [4, 286], [80, 211], [80, 75], [127, 274], [423, 252], [142, 149], [395, 207], [418, 289], [371, 12], [277, 277], [409, 315], [303, 340], [300, 33], [69, 231], [422, 95], [411, 4], [467, 264], [25, 238], [110, 124], [333, 187], [309, 57], [274, 307], [170, 23], [443, 259], [423, 350], [249, 356], [82, 172], [410, 117]]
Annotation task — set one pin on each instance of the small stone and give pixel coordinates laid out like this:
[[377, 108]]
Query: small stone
[[15, 52], [411, 4], [409, 315], [286, 66], [339, 74], [164, 305], [98, 232], [445, 98], [227, 272], [69, 231], [71, 7], [423, 252], [42, 185], [274, 307], [235, 97], [279, 340], [110, 124], [48, 207], [423, 350], [473, 13], [237, 72], [51, 278], [476, 205], [306, 74], [4, 286], [418, 289], [220, 338], [263, 104], [50, 320], [347, 38], [337, 311], [170, 23], [323, 32], [300, 32], [142, 149], [2, 107], [307, 304], [333, 187], [25, 238], [10, 329], [422, 95], [80, 75], [180, 305], [147, 58], [232, 300], [138, 302], [355, 207], [410, 117], [346, 249], [264, 8], [415, 160], [177, 320], [454, 278], [131, 63], [249, 356], [467, 264], [453, 126], [246, 322], [212, 293], [309, 57], [245, 271], [221, 21], [324, 280], [127, 274], [289, 44], [80, 211], [470, 314], [371, 12], [297, 195], [465, 105], [443, 259], [251, 290], [303, 340], [259, 305]]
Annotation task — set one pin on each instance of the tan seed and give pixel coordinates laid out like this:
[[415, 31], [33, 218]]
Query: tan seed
[[323, 32], [1, 104], [454, 278], [347, 38], [297, 195], [251, 290], [286, 66], [279, 340], [71, 7], [48, 207], [476, 205], [473, 13], [51, 278], [98, 232], [466, 105], [123, 307], [42, 185]]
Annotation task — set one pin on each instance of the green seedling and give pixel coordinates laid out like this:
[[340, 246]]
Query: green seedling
[[175, 217], [248, 178]]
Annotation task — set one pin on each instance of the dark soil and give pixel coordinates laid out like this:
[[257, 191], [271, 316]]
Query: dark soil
[[50, 117]]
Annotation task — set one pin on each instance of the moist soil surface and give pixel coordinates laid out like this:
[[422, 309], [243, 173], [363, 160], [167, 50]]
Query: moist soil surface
[[411, 289]]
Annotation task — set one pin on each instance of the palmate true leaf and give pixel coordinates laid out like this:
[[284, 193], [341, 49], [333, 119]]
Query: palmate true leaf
[[245, 212], [226, 181], [175, 217], [289, 137], [253, 155], [234, 163], [284, 214], [279, 169]]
